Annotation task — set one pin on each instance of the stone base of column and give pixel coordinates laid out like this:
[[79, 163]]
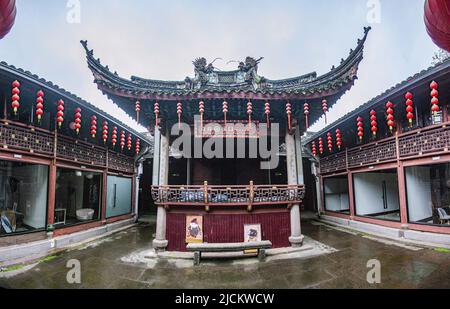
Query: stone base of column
[[160, 245], [296, 241]]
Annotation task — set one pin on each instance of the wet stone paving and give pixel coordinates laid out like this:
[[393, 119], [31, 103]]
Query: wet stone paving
[[109, 263]]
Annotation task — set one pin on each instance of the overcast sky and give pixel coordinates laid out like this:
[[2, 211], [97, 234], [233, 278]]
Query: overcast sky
[[159, 39]]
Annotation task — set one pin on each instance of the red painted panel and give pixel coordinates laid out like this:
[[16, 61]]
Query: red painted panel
[[227, 228]]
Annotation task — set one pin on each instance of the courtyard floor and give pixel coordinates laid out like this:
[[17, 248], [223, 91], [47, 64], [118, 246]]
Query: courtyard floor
[[103, 266]]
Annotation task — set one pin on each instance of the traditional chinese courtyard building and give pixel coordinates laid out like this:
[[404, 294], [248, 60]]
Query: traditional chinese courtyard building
[[221, 196], [65, 165], [386, 165]]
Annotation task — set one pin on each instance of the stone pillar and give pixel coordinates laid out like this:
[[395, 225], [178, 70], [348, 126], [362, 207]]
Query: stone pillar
[[161, 167], [315, 173], [296, 238]]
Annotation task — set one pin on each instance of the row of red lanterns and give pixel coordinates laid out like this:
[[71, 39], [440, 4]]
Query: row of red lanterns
[[15, 104], [390, 120]]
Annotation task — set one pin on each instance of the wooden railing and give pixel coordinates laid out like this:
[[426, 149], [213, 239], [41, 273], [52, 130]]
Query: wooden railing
[[206, 195]]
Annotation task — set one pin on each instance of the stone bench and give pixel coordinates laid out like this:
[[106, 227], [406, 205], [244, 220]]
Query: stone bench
[[198, 249]]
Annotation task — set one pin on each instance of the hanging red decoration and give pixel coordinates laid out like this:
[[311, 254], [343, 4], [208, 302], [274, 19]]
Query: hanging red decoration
[[122, 140], [39, 105], [360, 125], [321, 145], [289, 114], [179, 112], [373, 123], [325, 109], [93, 126], [390, 115], [249, 112], [138, 110], [201, 108], [437, 16], [409, 108], [60, 113], [105, 131], [114, 137], [138, 146], [314, 148], [434, 97], [156, 110], [330, 141], [338, 139], [78, 119], [129, 142], [267, 112], [306, 111], [15, 99], [8, 13], [225, 110]]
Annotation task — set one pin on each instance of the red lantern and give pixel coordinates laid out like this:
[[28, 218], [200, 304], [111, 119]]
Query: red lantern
[[314, 148], [8, 13], [93, 126], [306, 111], [373, 123], [434, 97], [409, 108], [179, 112], [60, 113], [138, 110], [325, 109], [360, 125], [105, 131], [40, 105], [225, 110], [289, 114], [78, 119], [201, 108], [330, 141], [138, 146], [321, 145], [156, 110], [114, 137], [249, 112], [338, 139], [390, 115], [267, 112], [129, 142], [122, 140], [15, 99]]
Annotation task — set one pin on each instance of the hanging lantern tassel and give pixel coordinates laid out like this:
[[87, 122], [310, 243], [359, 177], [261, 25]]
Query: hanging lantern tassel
[[122, 140], [60, 113], [138, 146], [138, 110], [249, 112], [409, 108], [39, 105], [325, 109], [225, 110], [338, 139], [114, 137], [201, 108], [314, 148], [267, 111], [390, 115], [330, 141], [15, 104], [360, 128], [93, 126], [156, 110], [105, 131], [78, 119], [289, 114], [373, 123], [306, 111], [321, 145], [179, 112], [434, 97], [129, 142]]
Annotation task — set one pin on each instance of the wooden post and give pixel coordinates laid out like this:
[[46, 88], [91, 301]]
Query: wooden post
[[51, 194], [251, 197], [205, 195]]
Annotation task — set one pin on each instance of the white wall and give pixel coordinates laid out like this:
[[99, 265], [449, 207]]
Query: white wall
[[419, 193], [369, 193], [336, 194]]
